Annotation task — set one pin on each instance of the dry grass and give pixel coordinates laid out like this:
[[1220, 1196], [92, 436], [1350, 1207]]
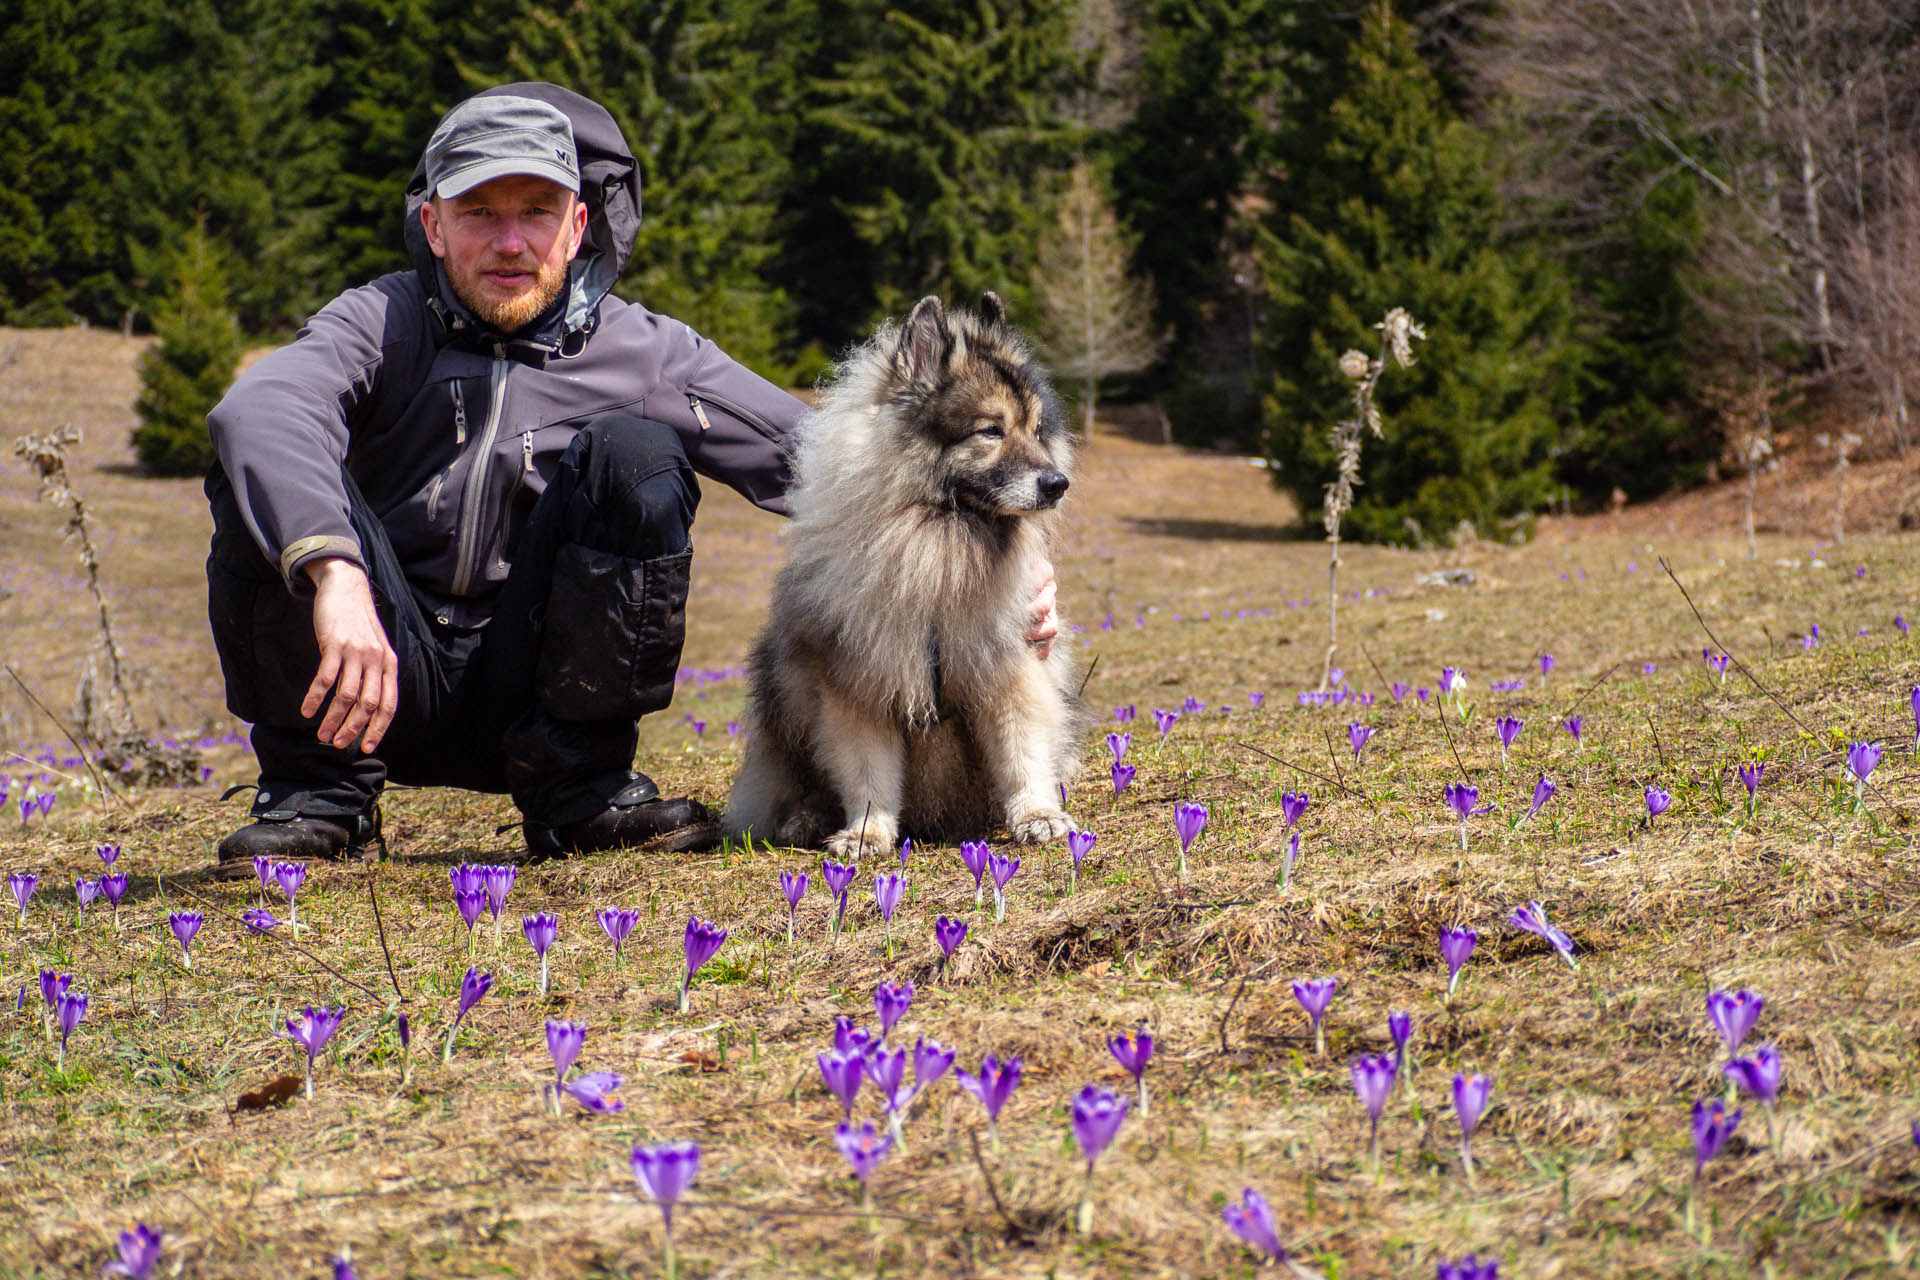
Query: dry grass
[[1583, 1160]]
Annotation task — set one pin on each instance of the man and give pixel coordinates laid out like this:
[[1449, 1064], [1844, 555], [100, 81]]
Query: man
[[451, 519]]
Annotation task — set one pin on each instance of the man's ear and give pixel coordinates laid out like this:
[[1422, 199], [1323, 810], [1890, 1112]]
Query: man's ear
[[920, 356], [430, 223], [579, 221]]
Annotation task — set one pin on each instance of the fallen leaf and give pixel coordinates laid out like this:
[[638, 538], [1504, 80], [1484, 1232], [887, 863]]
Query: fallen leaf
[[700, 1061], [275, 1093]]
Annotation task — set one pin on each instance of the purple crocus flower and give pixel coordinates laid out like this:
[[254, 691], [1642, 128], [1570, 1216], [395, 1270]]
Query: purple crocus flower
[[1164, 721], [1572, 725], [1095, 1114], [467, 877], [1357, 735], [1464, 800], [139, 1253], [1717, 663], [1542, 792], [108, 854], [906, 845], [848, 1038], [842, 1074], [1122, 776], [541, 928], [114, 885], [1657, 802], [793, 886], [52, 986], [1124, 714], [68, 1009], [311, 1028], [1713, 1124], [1002, 868], [259, 920], [473, 986], [1533, 918], [1758, 1074], [665, 1171], [1118, 743], [499, 882], [839, 879], [864, 1149], [1133, 1053], [1546, 666], [1455, 946], [931, 1060], [22, 883], [84, 892], [1079, 844], [564, 1042], [1373, 1077], [887, 889], [1400, 689], [1400, 1031], [1470, 1094], [593, 1090], [891, 1000], [1733, 1014], [1862, 759], [1314, 995], [948, 933], [1508, 727], [470, 903], [887, 1068], [702, 939], [1292, 805], [1189, 820], [618, 922], [994, 1085], [1252, 1221], [184, 925], [1750, 777], [290, 876], [1470, 1267], [1255, 699]]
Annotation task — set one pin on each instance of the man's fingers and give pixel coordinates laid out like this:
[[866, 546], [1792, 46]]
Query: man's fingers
[[386, 705], [322, 681], [346, 691]]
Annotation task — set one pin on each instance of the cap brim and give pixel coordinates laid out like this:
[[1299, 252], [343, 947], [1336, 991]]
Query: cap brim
[[465, 180]]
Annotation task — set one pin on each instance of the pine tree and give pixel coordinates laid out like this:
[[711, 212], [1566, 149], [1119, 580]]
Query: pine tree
[[1097, 317], [184, 375], [1389, 203]]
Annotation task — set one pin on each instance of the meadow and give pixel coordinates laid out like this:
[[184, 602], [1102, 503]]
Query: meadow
[[1187, 592]]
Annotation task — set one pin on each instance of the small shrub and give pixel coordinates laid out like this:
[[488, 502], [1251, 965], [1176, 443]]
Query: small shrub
[[186, 373]]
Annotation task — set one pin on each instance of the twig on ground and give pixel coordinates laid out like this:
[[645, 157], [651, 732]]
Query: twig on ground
[[1602, 679], [98, 781], [1247, 746], [381, 928], [1226, 1017], [993, 1193], [1441, 711], [1659, 746], [285, 942], [1333, 754]]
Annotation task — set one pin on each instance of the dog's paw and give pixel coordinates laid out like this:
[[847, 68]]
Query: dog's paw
[[1038, 826], [852, 844]]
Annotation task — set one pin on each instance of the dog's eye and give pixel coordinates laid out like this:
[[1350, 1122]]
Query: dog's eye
[[989, 429]]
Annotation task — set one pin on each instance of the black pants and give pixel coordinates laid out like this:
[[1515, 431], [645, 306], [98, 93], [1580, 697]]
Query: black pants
[[584, 638]]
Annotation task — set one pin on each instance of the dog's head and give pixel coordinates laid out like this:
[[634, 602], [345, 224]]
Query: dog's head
[[968, 387]]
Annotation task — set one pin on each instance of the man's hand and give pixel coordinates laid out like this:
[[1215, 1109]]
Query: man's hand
[[1043, 621], [356, 662]]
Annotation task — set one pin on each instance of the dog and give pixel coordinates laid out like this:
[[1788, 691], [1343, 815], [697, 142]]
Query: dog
[[893, 689]]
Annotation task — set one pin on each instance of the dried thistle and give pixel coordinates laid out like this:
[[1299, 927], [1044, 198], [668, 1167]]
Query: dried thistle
[[1843, 446], [1397, 332]]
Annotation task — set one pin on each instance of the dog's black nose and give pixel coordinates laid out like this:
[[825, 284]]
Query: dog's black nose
[[1052, 485]]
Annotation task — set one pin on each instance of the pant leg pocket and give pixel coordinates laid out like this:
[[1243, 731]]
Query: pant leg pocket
[[612, 635], [264, 637]]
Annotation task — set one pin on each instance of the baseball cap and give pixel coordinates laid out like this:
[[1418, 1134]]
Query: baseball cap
[[494, 135]]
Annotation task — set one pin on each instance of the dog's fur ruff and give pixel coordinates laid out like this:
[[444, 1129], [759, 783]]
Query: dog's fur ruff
[[893, 690]]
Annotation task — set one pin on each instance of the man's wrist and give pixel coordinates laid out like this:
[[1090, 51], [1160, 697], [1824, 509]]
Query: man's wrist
[[325, 569]]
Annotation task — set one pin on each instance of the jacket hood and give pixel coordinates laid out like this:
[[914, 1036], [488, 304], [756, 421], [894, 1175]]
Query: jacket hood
[[610, 184]]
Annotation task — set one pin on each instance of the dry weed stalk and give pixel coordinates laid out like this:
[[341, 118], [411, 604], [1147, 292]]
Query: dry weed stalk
[[1843, 446], [1397, 332], [47, 455]]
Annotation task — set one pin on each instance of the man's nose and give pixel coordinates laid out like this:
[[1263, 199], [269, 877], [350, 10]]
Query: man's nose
[[509, 236]]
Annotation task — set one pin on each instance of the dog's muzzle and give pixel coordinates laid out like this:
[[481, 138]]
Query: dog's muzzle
[[1052, 486]]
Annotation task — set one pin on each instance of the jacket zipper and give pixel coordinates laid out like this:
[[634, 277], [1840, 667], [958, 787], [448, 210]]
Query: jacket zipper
[[519, 478], [700, 414], [459, 413], [433, 497], [466, 543], [753, 420]]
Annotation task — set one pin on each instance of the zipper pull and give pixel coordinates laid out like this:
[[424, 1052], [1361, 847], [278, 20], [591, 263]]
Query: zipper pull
[[700, 413], [526, 452], [459, 414]]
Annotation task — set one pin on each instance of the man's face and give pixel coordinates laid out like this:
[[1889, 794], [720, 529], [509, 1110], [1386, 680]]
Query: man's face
[[506, 245]]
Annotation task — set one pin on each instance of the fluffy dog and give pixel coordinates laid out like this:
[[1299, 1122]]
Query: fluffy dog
[[893, 688]]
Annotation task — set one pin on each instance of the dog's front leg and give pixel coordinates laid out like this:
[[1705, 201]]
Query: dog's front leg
[[865, 759], [1021, 724]]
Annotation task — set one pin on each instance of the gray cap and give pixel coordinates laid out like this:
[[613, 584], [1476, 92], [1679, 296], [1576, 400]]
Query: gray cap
[[495, 135]]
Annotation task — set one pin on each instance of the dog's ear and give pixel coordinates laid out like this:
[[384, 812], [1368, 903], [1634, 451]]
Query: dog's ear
[[992, 310], [925, 341]]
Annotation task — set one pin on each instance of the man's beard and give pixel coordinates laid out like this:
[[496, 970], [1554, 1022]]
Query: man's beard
[[509, 314]]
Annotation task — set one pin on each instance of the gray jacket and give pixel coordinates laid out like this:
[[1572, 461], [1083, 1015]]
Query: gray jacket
[[451, 430]]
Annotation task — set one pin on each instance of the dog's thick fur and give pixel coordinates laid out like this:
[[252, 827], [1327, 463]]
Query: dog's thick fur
[[893, 690]]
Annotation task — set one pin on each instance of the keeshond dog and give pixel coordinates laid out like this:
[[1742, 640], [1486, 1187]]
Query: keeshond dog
[[893, 690]]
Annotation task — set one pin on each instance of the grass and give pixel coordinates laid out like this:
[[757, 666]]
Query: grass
[[1582, 1162]]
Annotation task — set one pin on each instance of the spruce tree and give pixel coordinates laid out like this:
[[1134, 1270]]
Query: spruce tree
[[184, 375], [1389, 202]]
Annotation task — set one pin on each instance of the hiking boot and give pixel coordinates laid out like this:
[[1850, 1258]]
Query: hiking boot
[[284, 835], [634, 815]]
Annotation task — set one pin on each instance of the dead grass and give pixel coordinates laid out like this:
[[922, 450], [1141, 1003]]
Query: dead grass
[[1583, 1161]]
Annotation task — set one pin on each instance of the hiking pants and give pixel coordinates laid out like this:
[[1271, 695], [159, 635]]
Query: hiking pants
[[541, 701]]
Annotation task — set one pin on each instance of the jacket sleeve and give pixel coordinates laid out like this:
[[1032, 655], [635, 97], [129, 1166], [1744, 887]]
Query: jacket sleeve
[[281, 431], [740, 425]]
